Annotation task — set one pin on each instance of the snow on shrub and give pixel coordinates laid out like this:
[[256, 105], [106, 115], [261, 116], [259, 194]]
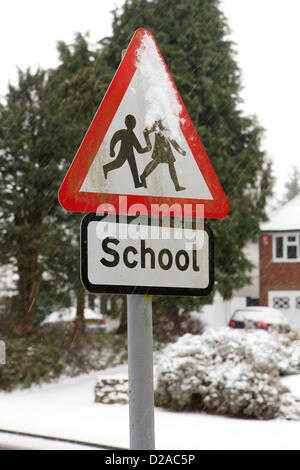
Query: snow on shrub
[[227, 372], [111, 389]]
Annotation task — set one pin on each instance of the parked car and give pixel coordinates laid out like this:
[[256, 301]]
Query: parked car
[[94, 321], [260, 317]]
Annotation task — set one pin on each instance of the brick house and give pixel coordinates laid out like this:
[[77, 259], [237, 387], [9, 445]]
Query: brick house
[[279, 261]]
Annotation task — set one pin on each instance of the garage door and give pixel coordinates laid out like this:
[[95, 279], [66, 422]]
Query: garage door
[[289, 303]]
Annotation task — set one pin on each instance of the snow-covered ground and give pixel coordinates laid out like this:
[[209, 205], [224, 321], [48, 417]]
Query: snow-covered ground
[[66, 409], [17, 442]]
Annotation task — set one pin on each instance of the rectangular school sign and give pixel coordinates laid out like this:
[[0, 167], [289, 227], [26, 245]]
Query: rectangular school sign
[[130, 258]]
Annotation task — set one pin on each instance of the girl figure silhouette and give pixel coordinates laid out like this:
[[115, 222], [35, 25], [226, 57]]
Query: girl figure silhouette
[[162, 153]]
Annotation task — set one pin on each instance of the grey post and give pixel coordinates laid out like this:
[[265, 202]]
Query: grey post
[[140, 372], [2, 352]]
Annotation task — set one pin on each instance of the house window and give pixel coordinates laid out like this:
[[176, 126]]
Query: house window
[[292, 247], [298, 303], [286, 247], [279, 247]]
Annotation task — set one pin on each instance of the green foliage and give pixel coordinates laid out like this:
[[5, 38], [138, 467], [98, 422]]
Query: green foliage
[[30, 174], [46, 354], [41, 126]]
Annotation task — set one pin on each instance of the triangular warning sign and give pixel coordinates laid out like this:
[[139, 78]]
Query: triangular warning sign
[[143, 145]]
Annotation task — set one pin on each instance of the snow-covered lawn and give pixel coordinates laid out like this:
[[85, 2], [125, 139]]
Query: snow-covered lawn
[[66, 409]]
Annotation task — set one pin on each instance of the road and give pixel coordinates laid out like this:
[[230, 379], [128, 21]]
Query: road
[[15, 441]]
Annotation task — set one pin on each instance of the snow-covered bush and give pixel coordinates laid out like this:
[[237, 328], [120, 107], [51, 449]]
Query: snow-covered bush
[[227, 372], [111, 389]]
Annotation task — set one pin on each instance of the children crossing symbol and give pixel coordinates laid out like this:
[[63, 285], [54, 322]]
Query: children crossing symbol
[[143, 145]]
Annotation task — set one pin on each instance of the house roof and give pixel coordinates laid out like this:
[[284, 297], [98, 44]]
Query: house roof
[[287, 217]]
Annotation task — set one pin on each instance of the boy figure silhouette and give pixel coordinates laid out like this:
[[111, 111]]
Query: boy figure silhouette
[[162, 153], [129, 142]]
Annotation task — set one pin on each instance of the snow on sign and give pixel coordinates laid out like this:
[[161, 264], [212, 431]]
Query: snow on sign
[[142, 146]]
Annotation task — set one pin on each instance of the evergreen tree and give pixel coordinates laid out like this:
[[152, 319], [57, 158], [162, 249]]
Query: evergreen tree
[[193, 38], [292, 186], [77, 87], [41, 126], [29, 176]]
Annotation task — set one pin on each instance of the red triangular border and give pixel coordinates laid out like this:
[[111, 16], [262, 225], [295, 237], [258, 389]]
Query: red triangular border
[[73, 200]]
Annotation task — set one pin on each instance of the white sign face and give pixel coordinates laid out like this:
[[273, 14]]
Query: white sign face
[[184, 179], [130, 258]]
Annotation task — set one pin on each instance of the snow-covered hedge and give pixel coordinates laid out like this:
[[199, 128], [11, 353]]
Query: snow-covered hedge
[[228, 372], [111, 389]]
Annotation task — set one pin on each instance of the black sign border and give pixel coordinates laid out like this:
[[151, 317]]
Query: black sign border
[[141, 290]]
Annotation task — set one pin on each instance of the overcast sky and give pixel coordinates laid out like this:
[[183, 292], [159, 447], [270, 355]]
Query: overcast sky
[[266, 33]]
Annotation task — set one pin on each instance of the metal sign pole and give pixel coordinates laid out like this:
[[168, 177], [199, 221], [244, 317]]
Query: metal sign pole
[[140, 372]]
